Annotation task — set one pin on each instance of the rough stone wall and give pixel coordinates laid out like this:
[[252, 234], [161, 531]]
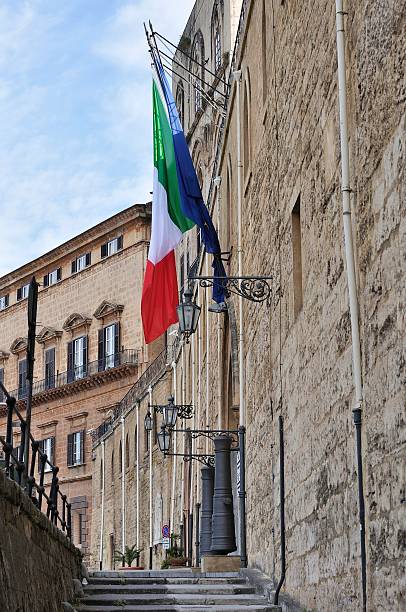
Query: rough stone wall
[[37, 562]]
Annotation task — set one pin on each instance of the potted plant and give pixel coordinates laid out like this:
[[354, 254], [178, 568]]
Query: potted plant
[[126, 558], [175, 556]]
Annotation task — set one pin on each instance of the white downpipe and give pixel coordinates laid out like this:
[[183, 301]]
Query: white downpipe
[[192, 480], [182, 472], [199, 393], [103, 483], [123, 483], [172, 526], [346, 191], [217, 183], [207, 362], [237, 77], [137, 522], [150, 478]]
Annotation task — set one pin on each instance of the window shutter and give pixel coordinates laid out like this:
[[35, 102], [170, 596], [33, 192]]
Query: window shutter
[[46, 280], [74, 266], [116, 343], [85, 355], [88, 259], [104, 250], [6, 300], [82, 446], [41, 446], [70, 449], [101, 350], [50, 368], [19, 293], [52, 457], [70, 362], [59, 274], [119, 243]]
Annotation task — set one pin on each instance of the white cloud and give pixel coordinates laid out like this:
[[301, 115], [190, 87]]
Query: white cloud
[[75, 117]]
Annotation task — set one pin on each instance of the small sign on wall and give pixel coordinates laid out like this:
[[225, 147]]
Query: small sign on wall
[[165, 531], [166, 543]]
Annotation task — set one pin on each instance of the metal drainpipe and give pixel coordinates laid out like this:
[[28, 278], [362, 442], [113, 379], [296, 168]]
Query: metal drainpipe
[[102, 505], [172, 526], [123, 483], [150, 488], [351, 278], [137, 523], [237, 77]]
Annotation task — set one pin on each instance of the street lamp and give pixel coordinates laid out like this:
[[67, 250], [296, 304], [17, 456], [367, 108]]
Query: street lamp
[[148, 422], [188, 314], [164, 439], [170, 413]]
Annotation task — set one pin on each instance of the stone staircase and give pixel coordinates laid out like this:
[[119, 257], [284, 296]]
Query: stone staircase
[[170, 591]]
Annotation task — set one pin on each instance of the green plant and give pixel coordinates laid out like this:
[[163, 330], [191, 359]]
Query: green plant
[[165, 564], [128, 556]]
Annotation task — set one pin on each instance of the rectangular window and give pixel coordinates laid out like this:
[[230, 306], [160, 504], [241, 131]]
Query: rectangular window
[[80, 263], [4, 302], [76, 448], [22, 378], [2, 397], [77, 359], [109, 346], [47, 446], [297, 258], [111, 247], [50, 368], [53, 277], [22, 292]]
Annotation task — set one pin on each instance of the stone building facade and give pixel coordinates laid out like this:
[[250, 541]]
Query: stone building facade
[[296, 360], [89, 348]]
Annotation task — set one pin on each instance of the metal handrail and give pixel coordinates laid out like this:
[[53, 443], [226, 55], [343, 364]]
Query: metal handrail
[[60, 379], [15, 468]]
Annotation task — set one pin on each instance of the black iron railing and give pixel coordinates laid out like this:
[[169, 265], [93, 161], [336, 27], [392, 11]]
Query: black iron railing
[[126, 357], [53, 503]]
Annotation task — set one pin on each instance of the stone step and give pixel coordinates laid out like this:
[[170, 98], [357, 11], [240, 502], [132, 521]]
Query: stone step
[[168, 573], [231, 607], [148, 580], [170, 589], [197, 599]]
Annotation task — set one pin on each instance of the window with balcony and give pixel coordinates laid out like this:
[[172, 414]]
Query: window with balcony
[[53, 277], [111, 247], [109, 346], [76, 447], [4, 302], [82, 262], [47, 446], [50, 368], [22, 378], [77, 359], [22, 292]]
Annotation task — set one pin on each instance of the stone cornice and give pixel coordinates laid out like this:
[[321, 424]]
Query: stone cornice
[[106, 308], [78, 415], [48, 333], [48, 424], [137, 211], [75, 321], [19, 345]]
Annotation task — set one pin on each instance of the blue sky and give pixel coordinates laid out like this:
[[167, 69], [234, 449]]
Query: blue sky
[[75, 115]]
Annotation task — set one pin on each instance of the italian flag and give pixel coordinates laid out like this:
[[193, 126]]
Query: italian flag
[[160, 290]]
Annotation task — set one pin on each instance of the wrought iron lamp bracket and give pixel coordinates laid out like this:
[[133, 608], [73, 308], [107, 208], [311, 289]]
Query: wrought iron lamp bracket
[[210, 433], [208, 460], [185, 411], [253, 288]]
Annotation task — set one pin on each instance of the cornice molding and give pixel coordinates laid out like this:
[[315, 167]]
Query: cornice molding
[[106, 308], [48, 333], [19, 345], [75, 321]]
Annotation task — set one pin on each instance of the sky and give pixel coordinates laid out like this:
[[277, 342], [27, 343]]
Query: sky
[[75, 116]]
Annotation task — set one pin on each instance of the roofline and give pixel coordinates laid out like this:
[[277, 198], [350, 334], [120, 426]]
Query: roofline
[[143, 210]]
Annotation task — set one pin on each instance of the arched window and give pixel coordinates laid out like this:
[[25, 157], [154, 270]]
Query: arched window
[[197, 70], [101, 475], [246, 128], [216, 36], [127, 452], [135, 444], [264, 64], [121, 458], [112, 467], [180, 103]]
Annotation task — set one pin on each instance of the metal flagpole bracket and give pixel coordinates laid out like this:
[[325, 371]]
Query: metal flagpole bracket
[[252, 288]]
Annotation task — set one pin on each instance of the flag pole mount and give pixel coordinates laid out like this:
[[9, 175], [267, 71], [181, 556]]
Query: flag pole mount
[[253, 288]]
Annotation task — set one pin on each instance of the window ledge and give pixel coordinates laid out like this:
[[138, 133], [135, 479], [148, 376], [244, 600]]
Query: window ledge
[[76, 465]]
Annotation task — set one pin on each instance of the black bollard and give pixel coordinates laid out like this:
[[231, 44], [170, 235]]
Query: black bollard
[[206, 510], [223, 537]]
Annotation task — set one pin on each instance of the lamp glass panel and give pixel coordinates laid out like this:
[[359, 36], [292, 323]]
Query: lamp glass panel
[[170, 415], [148, 423]]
